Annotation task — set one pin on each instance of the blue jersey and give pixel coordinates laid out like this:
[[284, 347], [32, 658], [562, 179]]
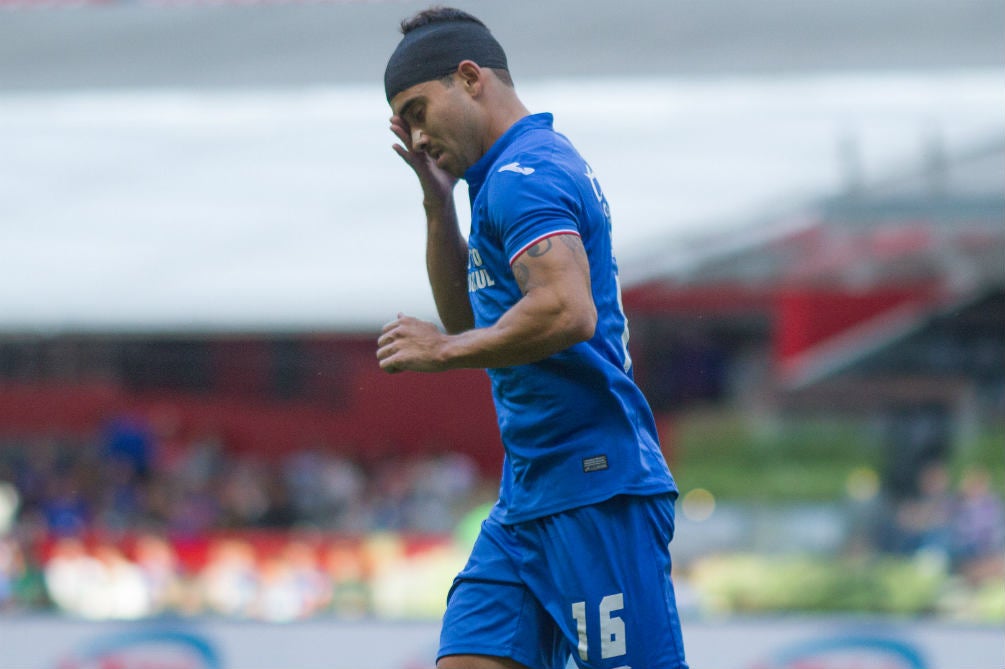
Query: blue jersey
[[575, 427]]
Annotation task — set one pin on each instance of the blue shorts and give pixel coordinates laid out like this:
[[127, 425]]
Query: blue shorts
[[592, 583]]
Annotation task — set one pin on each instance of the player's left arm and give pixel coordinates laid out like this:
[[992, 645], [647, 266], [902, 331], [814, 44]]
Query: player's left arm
[[555, 312]]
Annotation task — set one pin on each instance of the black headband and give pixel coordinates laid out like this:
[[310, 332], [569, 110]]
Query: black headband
[[434, 50]]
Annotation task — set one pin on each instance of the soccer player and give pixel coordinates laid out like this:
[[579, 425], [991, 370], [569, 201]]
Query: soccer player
[[573, 559]]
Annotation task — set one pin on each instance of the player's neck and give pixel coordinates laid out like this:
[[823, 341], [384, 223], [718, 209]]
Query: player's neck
[[506, 111]]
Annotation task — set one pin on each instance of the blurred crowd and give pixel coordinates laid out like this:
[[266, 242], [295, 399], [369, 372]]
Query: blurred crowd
[[287, 579], [962, 524], [121, 526], [126, 479]]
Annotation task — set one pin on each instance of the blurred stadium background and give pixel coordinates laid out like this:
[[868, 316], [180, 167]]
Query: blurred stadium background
[[203, 229]]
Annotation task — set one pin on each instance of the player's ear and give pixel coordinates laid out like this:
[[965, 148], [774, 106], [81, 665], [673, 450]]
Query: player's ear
[[470, 76]]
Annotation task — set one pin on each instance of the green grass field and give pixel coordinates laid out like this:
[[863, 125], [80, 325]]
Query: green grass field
[[796, 459]]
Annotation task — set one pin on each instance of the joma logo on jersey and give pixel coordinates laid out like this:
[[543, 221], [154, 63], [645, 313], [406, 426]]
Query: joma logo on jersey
[[516, 167], [478, 277]]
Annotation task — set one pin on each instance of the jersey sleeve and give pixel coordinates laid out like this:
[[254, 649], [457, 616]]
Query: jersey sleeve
[[531, 201]]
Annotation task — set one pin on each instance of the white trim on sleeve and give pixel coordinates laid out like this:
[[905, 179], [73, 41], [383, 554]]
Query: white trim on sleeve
[[553, 233]]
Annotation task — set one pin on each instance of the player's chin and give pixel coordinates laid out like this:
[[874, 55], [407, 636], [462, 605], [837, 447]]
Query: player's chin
[[450, 167]]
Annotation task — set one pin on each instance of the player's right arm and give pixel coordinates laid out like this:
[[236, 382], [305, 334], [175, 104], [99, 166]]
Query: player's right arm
[[446, 248]]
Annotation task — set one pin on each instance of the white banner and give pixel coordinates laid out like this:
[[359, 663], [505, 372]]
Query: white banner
[[863, 643]]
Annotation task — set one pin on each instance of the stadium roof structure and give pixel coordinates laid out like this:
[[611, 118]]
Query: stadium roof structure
[[273, 210], [195, 166], [853, 272]]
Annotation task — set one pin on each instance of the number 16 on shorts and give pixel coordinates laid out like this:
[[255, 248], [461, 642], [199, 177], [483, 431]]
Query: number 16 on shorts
[[612, 627]]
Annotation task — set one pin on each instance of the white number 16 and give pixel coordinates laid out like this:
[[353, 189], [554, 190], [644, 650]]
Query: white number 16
[[612, 628]]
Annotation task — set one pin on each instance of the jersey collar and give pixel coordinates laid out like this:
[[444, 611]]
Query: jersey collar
[[476, 174]]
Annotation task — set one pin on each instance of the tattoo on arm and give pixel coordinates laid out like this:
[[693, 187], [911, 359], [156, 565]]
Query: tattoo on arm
[[540, 248], [575, 244], [521, 272], [522, 275]]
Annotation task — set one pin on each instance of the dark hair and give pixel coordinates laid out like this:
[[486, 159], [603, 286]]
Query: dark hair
[[441, 14], [437, 14]]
